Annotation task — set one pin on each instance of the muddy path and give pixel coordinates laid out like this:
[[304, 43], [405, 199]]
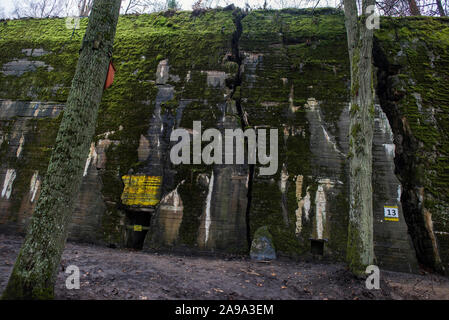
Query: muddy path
[[123, 274]]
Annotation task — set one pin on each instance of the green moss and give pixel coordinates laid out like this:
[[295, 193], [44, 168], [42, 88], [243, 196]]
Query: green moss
[[189, 44], [6, 127], [353, 253], [418, 48], [50, 35], [18, 289], [354, 109], [39, 141], [309, 59], [420, 39], [263, 232], [356, 130], [302, 52], [193, 197]]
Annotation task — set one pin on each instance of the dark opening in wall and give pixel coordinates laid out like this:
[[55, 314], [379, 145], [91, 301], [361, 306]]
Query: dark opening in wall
[[317, 246], [137, 226]]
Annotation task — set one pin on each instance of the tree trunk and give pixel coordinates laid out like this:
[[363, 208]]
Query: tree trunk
[[440, 9], [35, 270], [360, 250], [414, 10]]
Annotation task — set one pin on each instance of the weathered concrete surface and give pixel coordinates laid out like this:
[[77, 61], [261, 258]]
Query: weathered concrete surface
[[412, 61], [221, 215], [279, 70], [309, 99], [393, 245], [21, 118]]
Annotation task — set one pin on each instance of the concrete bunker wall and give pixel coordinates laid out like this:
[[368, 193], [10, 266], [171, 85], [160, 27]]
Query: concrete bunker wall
[[269, 69]]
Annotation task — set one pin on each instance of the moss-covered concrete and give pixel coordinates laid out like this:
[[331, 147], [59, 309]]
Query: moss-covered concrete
[[291, 73], [299, 56], [415, 70]]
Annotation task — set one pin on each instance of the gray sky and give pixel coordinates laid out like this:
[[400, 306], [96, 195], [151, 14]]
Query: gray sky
[[7, 5]]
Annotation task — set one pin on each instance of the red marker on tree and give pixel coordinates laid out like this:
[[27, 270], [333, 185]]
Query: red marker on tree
[[109, 76]]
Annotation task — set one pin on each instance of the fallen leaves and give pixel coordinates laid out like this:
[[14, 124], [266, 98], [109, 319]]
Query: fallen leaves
[[251, 272]]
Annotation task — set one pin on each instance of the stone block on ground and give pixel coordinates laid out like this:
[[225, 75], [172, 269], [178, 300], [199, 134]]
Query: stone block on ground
[[262, 247]]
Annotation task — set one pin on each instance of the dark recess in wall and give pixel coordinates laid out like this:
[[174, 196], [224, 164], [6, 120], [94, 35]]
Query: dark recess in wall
[[238, 15], [404, 157], [135, 239]]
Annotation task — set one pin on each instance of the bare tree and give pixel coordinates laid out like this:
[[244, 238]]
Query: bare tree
[[281, 4], [79, 8], [38, 8], [131, 6], [440, 8], [360, 249], [84, 7], [143, 6], [413, 7], [414, 10], [203, 4], [436, 8], [35, 269], [394, 8]]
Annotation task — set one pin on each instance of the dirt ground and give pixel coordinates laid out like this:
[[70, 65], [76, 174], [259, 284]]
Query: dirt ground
[[123, 274]]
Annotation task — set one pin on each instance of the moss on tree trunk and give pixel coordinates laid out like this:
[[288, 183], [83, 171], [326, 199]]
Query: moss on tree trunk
[[35, 270], [360, 249]]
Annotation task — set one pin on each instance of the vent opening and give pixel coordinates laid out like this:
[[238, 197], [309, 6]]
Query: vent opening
[[137, 226], [317, 246]]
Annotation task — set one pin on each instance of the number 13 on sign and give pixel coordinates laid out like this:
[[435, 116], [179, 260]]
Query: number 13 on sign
[[391, 213]]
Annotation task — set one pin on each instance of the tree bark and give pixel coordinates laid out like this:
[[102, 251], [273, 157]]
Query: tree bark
[[414, 10], [35, 270], [360, 250]]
